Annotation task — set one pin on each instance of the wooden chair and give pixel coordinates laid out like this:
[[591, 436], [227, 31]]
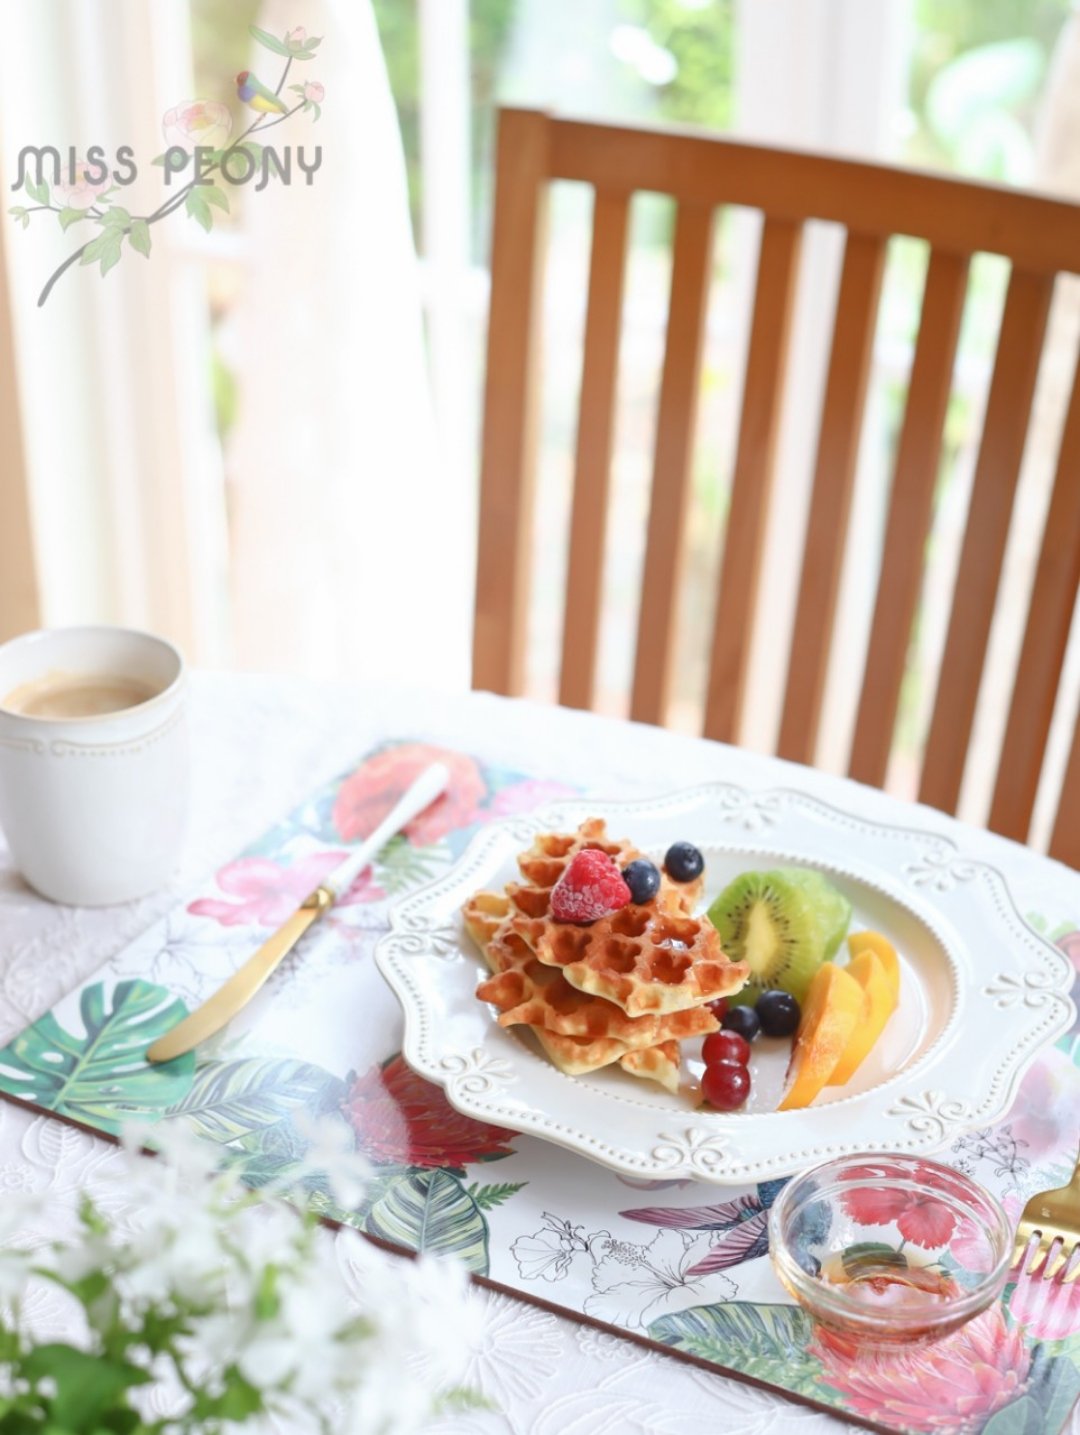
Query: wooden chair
[[873, 202]]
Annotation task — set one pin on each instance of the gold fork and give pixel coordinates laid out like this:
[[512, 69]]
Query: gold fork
[[1052, 1216]]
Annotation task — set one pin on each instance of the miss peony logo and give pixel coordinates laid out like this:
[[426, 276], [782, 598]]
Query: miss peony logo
[[200, 156]]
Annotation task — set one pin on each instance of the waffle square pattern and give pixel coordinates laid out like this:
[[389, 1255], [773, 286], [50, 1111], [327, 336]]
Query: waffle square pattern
[[626, 988]]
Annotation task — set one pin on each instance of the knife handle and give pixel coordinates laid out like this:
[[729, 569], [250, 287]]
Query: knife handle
[[429, 785]]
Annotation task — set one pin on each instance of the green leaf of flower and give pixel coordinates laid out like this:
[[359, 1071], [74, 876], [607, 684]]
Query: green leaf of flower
[[270, 41], [69, 216], [199, 210], [38, 192], [117, 217], [92, 253], [110, 254], [213, 195], [313, 42], [140, 236], [86, 1385], [18, 211]]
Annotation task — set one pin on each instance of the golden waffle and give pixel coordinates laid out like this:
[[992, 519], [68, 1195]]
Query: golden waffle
[[655, 1063], [525, 991], [484, 914], [577, 1055], [544, 862], [655, 958], [644, 962]]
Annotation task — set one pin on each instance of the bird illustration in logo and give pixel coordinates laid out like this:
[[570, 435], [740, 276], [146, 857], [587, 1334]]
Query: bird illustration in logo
[[254, 93]]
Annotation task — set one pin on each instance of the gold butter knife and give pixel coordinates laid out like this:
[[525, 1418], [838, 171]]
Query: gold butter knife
[[219, 1009]]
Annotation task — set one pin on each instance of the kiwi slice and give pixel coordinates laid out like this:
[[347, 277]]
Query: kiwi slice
[[784, 924], [831, 908]]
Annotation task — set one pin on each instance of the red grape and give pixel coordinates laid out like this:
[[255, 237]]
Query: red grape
[[726, 1085], [725, 1046], [718, 1007]]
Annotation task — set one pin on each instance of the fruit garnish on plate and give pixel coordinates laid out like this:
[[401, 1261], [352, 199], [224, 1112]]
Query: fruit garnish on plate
[[784, 924], [599, 953], [845, 1012]]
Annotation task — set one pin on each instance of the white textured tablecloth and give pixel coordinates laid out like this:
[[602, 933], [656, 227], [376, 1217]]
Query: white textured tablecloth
[[259, 746]]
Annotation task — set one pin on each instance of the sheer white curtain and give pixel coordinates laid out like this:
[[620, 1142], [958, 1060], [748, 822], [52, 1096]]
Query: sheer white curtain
[[348, 546]]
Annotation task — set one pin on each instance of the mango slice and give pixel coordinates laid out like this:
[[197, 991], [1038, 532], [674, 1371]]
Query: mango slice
[[870, 972], [835, 1004], [882, 948]]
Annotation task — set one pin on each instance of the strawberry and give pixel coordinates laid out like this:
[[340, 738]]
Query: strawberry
[[591, 887]]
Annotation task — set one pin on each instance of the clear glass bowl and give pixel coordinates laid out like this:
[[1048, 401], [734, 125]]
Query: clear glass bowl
[[889, 1249]]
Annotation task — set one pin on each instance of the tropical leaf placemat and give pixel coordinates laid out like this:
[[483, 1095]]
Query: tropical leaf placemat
[[676, 1263]]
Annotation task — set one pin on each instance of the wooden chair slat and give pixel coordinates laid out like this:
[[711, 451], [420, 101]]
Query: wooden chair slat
[[751, 486], [1065, 838], [1046, 638], [581, 623], [19, 600], [909, 516], [834, 476], [510, 403], [1001, 450], [670, 500], [1036, 232]]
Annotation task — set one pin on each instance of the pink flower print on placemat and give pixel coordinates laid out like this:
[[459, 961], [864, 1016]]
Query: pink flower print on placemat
[[527, 795], [923, 1220], [366, 796], [263, 892], [952, 1384]]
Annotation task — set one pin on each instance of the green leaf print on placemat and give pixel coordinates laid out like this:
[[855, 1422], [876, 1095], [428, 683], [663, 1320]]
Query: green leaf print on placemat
[[229, 1100], [432, 1211], [101, 1077], [766, 1341]]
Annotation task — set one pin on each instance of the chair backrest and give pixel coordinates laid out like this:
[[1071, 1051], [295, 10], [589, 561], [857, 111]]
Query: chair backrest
[[1040, 236]]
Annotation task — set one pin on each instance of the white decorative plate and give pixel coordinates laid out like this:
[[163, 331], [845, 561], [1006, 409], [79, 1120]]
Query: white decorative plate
[[981, 994]]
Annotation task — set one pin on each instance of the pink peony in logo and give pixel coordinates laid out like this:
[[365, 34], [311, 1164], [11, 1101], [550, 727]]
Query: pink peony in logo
[[315, 92], [203, 123], [77, 189]]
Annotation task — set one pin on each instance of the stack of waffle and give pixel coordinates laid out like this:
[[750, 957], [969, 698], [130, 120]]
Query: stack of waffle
[[626, 988]]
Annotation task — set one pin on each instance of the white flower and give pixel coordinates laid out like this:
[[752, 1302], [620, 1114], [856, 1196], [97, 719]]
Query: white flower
[[332, 1153], [635, 1285], [547, 1254]]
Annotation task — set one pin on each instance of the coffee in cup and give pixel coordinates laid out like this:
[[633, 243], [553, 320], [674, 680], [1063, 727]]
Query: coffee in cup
[[77, 695]]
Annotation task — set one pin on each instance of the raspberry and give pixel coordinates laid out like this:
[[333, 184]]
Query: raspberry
[[591, 887]]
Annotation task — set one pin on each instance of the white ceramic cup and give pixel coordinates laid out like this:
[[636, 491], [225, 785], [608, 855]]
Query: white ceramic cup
[[94, 809]]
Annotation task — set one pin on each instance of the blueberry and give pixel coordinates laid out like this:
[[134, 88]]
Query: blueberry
[[643, 879], [779, 1013], [683, 862], [744, 1020]]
